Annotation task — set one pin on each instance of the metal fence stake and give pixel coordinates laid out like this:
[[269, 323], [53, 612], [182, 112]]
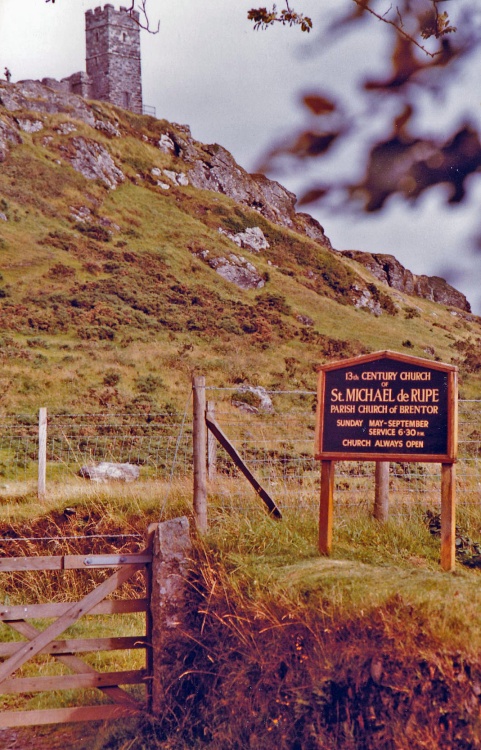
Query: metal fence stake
[[42, 454], [200, 453]]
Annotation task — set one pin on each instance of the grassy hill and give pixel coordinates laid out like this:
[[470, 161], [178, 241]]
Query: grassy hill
[[108, 271], [110, 298]]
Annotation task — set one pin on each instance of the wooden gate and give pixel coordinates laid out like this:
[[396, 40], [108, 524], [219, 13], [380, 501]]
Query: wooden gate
[[64, 615]]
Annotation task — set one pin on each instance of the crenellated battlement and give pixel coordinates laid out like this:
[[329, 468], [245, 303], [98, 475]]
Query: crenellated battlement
[[113, 56], [91, 16]]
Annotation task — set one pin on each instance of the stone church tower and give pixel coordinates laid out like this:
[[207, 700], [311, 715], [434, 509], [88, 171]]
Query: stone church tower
[[113, 57]]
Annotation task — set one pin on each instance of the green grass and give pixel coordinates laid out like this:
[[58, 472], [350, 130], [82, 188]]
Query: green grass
[[145, 290], [372, 564]]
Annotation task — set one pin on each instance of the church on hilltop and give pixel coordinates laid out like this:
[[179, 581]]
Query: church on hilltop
[[113, 67]]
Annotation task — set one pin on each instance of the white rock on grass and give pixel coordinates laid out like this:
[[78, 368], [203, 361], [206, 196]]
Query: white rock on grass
[[166, 144], [178, 178], [252, 238], [263, 401], [238, 271], [30, 126], [106, 471], [94, 162]]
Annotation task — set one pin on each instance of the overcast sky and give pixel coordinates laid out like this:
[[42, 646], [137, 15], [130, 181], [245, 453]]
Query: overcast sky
[[207, 68]]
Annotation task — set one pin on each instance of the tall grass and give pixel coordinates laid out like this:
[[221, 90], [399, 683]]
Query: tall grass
[[284, 649]]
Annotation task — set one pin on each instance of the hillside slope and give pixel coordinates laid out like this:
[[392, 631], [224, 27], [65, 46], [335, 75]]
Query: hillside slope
[[132, 255]]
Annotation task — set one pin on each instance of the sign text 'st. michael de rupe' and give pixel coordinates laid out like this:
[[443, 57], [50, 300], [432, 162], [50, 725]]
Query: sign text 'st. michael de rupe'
[[387, 407]]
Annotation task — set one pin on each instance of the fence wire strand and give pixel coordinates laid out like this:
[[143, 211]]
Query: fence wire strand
[[277, 444], [275, 438]]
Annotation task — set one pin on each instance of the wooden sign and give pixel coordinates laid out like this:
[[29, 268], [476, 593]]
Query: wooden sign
[[387, 406]]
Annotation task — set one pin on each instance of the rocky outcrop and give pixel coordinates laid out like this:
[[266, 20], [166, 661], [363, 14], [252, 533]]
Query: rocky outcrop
[[389, 270], [94, 162], [363, 299], [252, 238], [177, 178], [307, 224], [34, 96], [217, 170], [107, 128], [8, 136], [238, 270], [210, 167], [437, 289], [166, 144], [385, 268]]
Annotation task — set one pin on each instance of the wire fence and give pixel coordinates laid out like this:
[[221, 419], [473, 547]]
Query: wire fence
[[273, 431], [160, 444], [277, 442]]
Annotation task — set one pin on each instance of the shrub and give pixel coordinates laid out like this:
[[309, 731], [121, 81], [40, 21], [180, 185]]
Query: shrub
[[92, 268], [37, 342], [472, 357], [102, 333], [60, 271], [271, 301], [111, 267], [111, 378], [148, 383], [230, 325], [95, 232], [39, 360], [61, 240]]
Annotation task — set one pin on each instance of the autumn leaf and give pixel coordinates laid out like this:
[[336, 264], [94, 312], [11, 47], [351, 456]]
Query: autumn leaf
[[318, 104]]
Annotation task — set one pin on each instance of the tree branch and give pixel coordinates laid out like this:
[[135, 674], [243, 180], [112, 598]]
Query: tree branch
[[427, 30], [432, 23], [143, 21]]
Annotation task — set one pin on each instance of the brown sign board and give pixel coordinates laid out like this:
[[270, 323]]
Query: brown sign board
[[387, 406]]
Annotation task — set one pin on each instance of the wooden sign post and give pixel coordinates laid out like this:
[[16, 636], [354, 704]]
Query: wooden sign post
[[388, 407]]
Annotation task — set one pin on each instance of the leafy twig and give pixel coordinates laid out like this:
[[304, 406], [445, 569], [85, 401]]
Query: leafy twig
[[432, 24], [264, 18]]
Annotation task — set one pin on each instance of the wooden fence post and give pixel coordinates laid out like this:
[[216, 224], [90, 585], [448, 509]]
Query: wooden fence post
[[42, 454], [381, 491], [448, 516], [211, 444], [171, 550], [199, 438], [326, 507]]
